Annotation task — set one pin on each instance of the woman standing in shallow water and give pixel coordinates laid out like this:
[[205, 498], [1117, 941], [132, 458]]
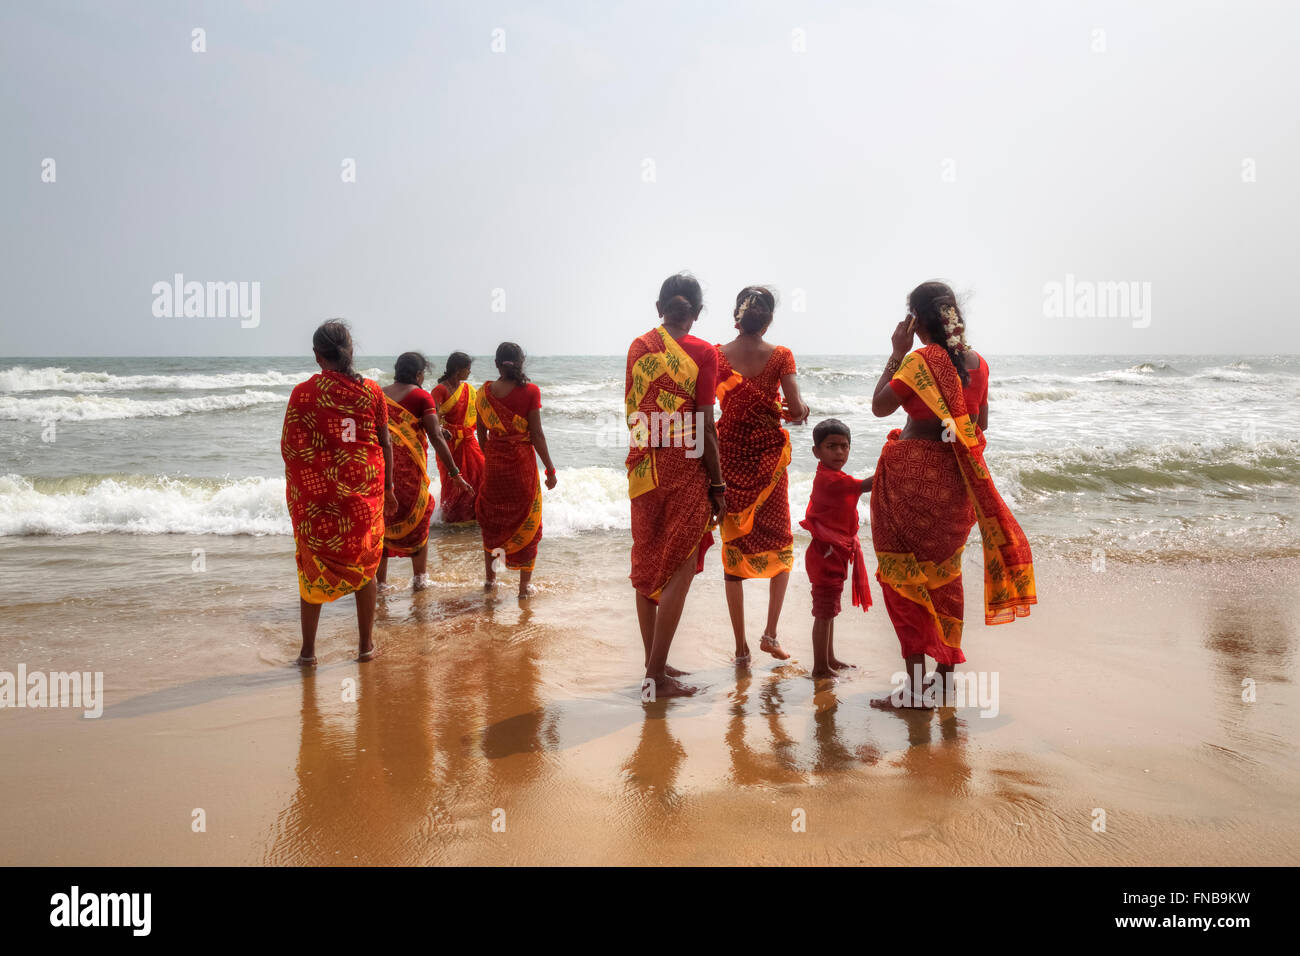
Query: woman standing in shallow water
[[755, 452], [509, 506], [338, 469], [412, 424], [457, 403], [931, 485], [674, 478]]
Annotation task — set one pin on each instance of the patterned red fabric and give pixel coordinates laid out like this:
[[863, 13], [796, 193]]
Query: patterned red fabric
[[509, 506], [925, 497], [673, 519], [919, 505], [755, 453], [407, 528], [334, 483], [832, 520], [457, 505]]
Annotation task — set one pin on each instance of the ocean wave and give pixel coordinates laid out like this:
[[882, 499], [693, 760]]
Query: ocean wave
[[1227, 468], [142, 504], [57, 379], [90, 408]]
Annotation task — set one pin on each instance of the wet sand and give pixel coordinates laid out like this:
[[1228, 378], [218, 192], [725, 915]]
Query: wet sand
[[1122, 692]]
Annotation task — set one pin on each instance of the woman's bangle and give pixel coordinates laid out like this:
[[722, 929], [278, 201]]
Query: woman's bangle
[[893, 365], [550, 471], [717, 486], [453, 474]]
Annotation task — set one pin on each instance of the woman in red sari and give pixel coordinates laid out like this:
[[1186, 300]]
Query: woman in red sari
[[755, 449], [412, 424], [931, 486], [456, 399], [509, 506], [673, 475], [338, 470]]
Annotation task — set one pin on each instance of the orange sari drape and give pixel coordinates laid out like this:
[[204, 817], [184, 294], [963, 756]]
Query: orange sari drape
[[924, 500], [407, 530], [509, 505], [757, 541], [459, 414], [334, 483], [671, 515]]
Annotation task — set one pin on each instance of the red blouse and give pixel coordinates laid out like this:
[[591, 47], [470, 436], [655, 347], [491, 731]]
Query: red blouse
[[976, 392], [705, 356], [417, 401], [521, 399]]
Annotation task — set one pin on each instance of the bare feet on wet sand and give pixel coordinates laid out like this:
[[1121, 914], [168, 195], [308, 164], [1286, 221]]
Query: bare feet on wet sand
[[772, 646], [666, 687]]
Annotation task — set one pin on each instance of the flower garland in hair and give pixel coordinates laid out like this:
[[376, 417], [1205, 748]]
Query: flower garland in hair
[[954, 328], [744, 306]]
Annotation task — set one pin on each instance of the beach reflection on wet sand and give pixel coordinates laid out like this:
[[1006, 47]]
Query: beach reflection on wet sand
[[494, 733]]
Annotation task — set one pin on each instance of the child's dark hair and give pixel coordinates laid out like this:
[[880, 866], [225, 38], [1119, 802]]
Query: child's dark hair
[[333, 343], [510, 363], [455, 362], [832, 426], [935, 306], [754, 307], [680, 298], [408, 368]]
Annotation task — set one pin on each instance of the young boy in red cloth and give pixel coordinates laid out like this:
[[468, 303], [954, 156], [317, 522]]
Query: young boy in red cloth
[[832, 519]]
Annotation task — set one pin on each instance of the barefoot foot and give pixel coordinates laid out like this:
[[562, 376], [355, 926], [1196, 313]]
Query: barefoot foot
[[821, 673], [674, 671], [900, 701], [742, 654], [772, 646], [667, 687], [303, 661], [839, 665], [369, 654]]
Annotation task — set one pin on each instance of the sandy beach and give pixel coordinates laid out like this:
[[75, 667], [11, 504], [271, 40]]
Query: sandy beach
[[487, 733]]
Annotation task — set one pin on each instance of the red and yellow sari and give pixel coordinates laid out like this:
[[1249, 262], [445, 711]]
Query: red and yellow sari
[[408, 530], [671, 514], [458, 412], [509, 505], [334, 483], [925, 498], [755, 450]]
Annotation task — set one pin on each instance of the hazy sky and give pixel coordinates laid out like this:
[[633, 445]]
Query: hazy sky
[[847, 153]]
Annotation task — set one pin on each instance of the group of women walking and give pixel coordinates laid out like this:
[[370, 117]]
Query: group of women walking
[[357, 477], [359, 492]]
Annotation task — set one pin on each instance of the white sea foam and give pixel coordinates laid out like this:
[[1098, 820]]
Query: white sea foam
[[89, 408], [56, 379], [142, 505]]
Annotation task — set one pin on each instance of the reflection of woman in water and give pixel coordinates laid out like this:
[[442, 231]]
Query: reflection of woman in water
[[931, 485]]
